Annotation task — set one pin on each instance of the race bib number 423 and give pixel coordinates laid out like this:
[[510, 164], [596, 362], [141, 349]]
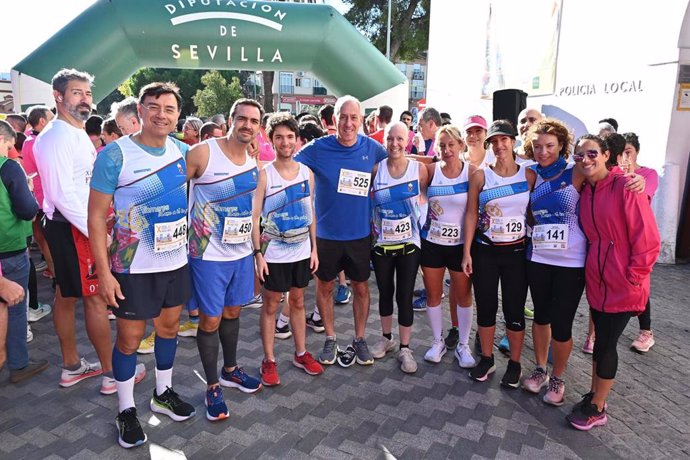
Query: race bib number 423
[[354, 182], [170, 235], [396, 229], [237, 230]]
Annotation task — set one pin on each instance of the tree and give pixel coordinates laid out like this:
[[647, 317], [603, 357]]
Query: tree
[[218, 95], [188, 80], [268, 90], [409, 25]]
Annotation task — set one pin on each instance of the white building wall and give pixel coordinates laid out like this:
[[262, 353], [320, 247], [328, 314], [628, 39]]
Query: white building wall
[[629, 47]]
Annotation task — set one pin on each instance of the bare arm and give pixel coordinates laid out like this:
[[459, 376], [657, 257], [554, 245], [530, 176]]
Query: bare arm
[[197, 160], [314, 258], [99, 204], [257, 208], [471, 215]]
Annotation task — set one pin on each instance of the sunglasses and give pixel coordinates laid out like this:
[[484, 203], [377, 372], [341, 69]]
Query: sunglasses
[[591, 154]]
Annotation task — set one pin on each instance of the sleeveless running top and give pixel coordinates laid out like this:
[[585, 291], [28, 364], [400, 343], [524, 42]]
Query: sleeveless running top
[[220, 208], [557, 238], [396, 205], [502, 208], [150, 203], [447, 205], [287, 214]]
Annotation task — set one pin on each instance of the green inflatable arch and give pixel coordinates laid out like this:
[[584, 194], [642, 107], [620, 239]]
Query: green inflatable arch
[[114, 38]]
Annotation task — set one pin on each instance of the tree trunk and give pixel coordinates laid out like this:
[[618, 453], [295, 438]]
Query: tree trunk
[[268, 91], [405, 20]]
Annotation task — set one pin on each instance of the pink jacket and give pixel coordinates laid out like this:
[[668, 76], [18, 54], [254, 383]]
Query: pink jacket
[[623, 245]]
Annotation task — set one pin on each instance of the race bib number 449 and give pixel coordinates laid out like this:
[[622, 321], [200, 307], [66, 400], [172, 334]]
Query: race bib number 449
[[354, 182], [237, 230], [170, 235]]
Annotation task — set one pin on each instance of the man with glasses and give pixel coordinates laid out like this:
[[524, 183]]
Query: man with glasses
[[148, 258]]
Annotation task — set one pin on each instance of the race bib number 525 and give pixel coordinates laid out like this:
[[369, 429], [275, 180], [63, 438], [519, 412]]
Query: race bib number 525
[[354, 182]]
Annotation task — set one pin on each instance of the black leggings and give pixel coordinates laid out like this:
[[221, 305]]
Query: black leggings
[[33, 286], [396, 274], [507, 264], [556, 293], [645, 318], [608, 328]]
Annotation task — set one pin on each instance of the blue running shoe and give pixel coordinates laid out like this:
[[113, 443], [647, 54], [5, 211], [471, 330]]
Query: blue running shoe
[[216, 409], [504, 345], [342, 295], [419, 304], [239, 379], [447, 282], [419, 292]]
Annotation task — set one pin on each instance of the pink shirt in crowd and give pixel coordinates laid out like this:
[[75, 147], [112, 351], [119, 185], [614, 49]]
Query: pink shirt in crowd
[[29, 163]]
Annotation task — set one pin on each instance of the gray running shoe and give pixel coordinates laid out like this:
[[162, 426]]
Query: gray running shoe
[[329, 352], [364, 357]]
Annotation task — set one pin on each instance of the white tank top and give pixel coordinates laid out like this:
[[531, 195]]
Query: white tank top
[[447, 205], [396, 205], [502, 208], [150, 203], [287, 214], [220, 208], [557, 238]]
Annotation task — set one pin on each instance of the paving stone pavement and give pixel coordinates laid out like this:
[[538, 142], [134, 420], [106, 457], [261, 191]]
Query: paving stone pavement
[[374, 411]]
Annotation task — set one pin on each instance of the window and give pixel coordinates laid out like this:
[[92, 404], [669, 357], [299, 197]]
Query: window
[[286, 86]]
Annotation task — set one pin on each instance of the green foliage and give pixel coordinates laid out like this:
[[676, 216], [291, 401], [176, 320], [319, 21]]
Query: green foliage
[[409, 25], [218, 95], [188, 80]]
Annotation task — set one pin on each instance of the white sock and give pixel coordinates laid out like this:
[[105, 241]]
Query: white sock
[[125, 394], [163, 380], [435, 316], [316, 315], [464, 324], [283, 320]]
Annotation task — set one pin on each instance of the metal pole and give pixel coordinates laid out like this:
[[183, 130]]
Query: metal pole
[[388, 34]]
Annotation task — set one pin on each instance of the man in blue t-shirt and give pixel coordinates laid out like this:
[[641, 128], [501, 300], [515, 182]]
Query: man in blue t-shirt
[[342, 166]]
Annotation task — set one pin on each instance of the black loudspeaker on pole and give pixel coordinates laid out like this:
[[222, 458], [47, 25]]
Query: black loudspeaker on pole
[[508, 103]]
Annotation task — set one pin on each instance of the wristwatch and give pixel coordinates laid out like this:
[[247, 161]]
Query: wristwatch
[[256, 251]]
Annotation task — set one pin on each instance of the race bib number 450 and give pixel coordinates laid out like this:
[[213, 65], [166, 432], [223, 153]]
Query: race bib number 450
[[237, 230], [354, 182], [507, 229], [170, 235], [550, 236]]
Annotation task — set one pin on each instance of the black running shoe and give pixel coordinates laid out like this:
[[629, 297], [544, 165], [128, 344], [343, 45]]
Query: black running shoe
[[170, 404], [482, 370], [347, 357], [129, 430], [511, 379], [452, 338]]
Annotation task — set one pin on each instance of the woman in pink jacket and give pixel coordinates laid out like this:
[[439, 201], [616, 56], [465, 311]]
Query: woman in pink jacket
[[623, 245]]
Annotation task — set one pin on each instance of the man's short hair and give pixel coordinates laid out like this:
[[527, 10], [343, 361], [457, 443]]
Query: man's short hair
[[308, 131], [408, 113], [7, 133], [207, 129], [431, 114], [344, 100], [110, 127], [326, 113], [219, 119], [17, 121], [93, 125], [246, 101], [159, 88], [281, 119], [195, 123], [64, 76], [385, 114], [126, 107], [36, 113]]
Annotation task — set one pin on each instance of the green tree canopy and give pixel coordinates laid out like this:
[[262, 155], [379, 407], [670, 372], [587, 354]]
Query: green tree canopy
[[409, 25], [218, 95]]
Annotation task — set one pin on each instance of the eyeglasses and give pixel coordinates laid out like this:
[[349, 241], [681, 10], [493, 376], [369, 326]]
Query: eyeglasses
[[153, 108], [591, 154]]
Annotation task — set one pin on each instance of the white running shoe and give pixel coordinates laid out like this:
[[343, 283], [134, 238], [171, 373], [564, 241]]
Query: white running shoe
[[108, 386], [464, 357], [35, 314], [86, 370], [29, 334], [383, 346], [436, 352]]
